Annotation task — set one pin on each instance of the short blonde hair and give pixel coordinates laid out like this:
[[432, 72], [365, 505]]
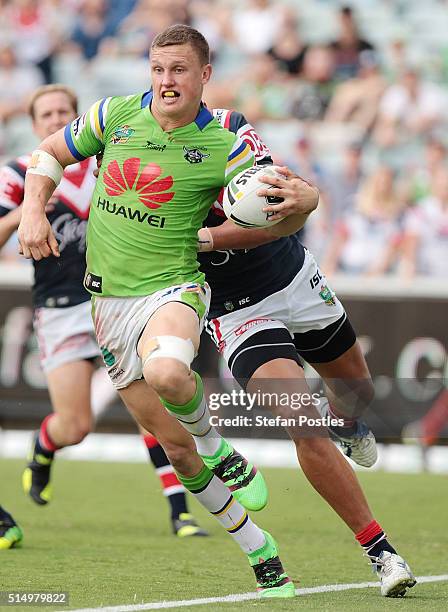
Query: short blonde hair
[[181, 34], [46, 89]]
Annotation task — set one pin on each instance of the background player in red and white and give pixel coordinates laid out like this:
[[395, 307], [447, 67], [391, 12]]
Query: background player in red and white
[[63, 321], [61, 316]]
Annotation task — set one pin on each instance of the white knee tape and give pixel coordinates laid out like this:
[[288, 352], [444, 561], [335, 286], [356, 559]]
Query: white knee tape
[[44, 164], [169, 346]]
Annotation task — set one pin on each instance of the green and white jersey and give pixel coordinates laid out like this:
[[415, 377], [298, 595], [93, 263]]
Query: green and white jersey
[[153, 193]]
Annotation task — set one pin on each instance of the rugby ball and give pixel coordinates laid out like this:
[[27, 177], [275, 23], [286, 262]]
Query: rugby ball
[[242, 205]]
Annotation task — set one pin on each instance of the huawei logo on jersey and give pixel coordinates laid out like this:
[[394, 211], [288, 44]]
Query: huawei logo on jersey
[[151, 191]]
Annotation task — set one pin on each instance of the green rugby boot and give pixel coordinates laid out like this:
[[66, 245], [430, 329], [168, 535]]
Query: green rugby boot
[[272, 580], [242, 478], [36, 477], [10, 533]]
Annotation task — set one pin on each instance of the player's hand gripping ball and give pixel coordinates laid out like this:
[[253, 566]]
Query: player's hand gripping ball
[[241, 203]]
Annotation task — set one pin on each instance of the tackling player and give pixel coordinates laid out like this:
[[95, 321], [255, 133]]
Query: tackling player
[[271, 304], [62, 315], [163, 151]]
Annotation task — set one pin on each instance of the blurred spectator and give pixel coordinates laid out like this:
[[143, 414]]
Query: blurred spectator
[[408, 109], [257, 25], [33, 28], [396, 58], [137, 30], [16, 84], [357, 100], [315, 89], [262, 94], [344, 183], [422, 177], [213, 20], [367, 240], [305, 164], [426, 232], [348, 46], [119, 10], [147, 19], [92, 27], [288, 49]]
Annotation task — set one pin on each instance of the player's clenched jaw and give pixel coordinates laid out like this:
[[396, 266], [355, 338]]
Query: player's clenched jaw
[[178, 78]]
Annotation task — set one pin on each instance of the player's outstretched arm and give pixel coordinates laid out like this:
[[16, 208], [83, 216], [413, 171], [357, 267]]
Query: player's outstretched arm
[[44, 174], [300, 198], [230, 236]]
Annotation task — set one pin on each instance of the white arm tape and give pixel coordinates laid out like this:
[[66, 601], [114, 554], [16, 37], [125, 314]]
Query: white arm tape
[[44, 164], [205, 240]]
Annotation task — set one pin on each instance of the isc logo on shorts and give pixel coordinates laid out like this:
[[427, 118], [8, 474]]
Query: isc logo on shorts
[[93, 283]]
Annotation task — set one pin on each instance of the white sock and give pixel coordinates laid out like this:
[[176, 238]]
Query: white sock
[[231, 514]]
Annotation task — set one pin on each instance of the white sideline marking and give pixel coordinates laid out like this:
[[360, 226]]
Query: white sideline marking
[[326, 588]]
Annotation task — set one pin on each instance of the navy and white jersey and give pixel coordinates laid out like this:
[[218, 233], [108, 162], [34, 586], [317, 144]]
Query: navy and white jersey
[[242, 277], [58, 282]]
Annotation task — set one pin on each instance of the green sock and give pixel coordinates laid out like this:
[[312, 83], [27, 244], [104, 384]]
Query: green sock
[[194, 416]]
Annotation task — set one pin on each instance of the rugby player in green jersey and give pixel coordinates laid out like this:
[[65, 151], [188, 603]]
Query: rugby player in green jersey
[[165, 159]]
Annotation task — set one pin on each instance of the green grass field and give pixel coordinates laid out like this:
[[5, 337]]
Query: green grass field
[[105, 538]]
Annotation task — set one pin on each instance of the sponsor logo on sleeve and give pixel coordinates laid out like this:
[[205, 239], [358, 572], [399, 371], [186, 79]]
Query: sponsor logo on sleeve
[[327, 295]]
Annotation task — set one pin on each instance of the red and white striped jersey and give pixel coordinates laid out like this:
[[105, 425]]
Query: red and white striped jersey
[[57, 281]]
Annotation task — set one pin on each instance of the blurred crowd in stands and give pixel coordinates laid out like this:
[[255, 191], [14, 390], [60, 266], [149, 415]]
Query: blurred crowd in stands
[[352, 96]]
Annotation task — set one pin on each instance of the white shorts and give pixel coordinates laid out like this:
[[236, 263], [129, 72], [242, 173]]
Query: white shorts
[[306, 304], [119, 323], [65, 335]]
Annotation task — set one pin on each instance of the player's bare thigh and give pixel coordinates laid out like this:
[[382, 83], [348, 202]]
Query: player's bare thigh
[[170, 376], [173, 319]]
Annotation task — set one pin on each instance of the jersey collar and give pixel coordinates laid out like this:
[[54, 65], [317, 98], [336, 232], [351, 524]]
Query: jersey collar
[[203, 117], [146, 98]]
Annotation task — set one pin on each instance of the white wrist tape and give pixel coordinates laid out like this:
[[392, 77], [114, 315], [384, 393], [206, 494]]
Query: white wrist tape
[[205, 240], [169, 346], [44, 164]]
